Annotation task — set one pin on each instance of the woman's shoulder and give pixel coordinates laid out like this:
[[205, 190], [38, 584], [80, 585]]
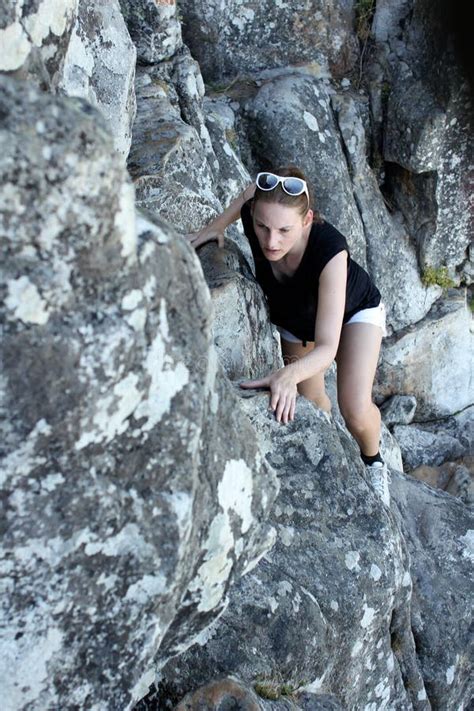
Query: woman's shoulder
[[324, 232]]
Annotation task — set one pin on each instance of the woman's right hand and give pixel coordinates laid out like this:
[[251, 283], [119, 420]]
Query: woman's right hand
[[207, 234]]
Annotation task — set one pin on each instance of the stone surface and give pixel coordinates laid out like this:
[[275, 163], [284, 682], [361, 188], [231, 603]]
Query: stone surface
[[240, 312], [422, 447], [99, 66], [112, 420], [391, 255], [235, 37], [34, 37], [168, 161], [398, 410], [439, 534], [154, 27], [290, 121], [430, 360], [457, 478], [428, 127], [328, 609]]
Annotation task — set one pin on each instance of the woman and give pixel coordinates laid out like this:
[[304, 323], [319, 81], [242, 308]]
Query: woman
[[323, 303]]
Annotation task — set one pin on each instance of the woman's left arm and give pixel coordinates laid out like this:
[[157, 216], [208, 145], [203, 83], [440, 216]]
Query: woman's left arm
[[331, 304], [328, 326]]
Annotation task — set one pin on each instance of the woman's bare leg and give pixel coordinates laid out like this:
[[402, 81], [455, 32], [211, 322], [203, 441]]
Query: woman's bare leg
[[356, 359], [312, 388]]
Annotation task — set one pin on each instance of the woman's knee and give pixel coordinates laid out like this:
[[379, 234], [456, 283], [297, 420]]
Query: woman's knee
[[357, 415]]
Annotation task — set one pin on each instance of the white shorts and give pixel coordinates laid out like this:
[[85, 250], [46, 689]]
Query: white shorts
[[375, 316]]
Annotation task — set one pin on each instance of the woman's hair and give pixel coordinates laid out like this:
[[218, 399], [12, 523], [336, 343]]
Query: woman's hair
[[278, 195]]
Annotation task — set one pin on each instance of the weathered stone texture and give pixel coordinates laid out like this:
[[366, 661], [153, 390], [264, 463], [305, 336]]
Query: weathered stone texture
[[430, 360], [328, 609], [237, 37], [99, 66], [154, 27], [112, 545]]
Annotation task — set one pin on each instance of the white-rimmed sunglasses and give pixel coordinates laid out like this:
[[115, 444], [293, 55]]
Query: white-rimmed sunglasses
[[290, 184]]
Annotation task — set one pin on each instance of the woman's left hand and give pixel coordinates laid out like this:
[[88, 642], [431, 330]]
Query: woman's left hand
[[283, 392]]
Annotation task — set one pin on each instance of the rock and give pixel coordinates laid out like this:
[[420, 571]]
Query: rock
[[293, 619], [398, 410], [292, 111], [76, 48], [422, 447], [391, 255], [99, 65], [219, 696], [117, 411], [317, 611], [168, 161], [454, 477], [228, 39], [34, 36], [428, 361], [428, 127], [437, 529], [240, 312], [154, 27]]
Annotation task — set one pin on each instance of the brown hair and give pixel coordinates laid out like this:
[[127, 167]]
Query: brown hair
[[278, 195]]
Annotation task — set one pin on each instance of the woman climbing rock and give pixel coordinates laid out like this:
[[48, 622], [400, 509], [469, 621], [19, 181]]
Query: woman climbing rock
[[323, 303]]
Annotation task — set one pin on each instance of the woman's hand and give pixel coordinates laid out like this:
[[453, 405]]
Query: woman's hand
[[206, 235], [282, 384]]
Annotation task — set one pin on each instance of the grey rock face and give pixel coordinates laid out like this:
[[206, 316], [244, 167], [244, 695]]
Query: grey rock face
[[391, 256], [319, 610], [34, 37], [441, 552], [76, 48], [99, 66], [240, 313], [290, 121], [231, 38], [398, 410], [420, 446], [430, 361], [111, 544], [154, 28], [168, 161], [428, 127]]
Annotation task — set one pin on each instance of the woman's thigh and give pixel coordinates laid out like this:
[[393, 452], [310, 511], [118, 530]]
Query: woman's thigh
[[356, 359], [313, 387]]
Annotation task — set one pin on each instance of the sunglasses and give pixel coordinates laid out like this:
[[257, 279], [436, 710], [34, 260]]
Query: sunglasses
[[291, 185]]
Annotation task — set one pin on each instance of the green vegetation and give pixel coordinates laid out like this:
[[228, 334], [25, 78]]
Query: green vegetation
[[364, 11], [274, 688], [437, 276], [231, 137]]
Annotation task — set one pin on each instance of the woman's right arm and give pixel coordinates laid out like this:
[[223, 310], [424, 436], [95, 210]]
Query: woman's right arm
[[215, 229]]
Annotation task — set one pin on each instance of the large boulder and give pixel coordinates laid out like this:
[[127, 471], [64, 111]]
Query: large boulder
[[429, 360], [154, 27], [290, 120], [231, 38], [341, 605], [76, 48], [34, 37], [99, 65], [428, 127], [391, 255], [129, 507]]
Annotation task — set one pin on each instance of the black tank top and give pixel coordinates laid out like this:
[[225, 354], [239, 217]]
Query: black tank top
[[294, 302]]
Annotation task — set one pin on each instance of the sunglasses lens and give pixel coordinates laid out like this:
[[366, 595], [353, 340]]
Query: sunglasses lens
[[294, 186], [267, 181]]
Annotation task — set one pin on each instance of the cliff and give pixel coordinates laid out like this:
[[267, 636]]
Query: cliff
[[166, 543]]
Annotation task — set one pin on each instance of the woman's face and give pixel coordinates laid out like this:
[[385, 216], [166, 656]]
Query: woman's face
[[279, 228]]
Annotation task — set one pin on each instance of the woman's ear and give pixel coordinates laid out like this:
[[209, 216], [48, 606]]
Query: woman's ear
[[308, 218]]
